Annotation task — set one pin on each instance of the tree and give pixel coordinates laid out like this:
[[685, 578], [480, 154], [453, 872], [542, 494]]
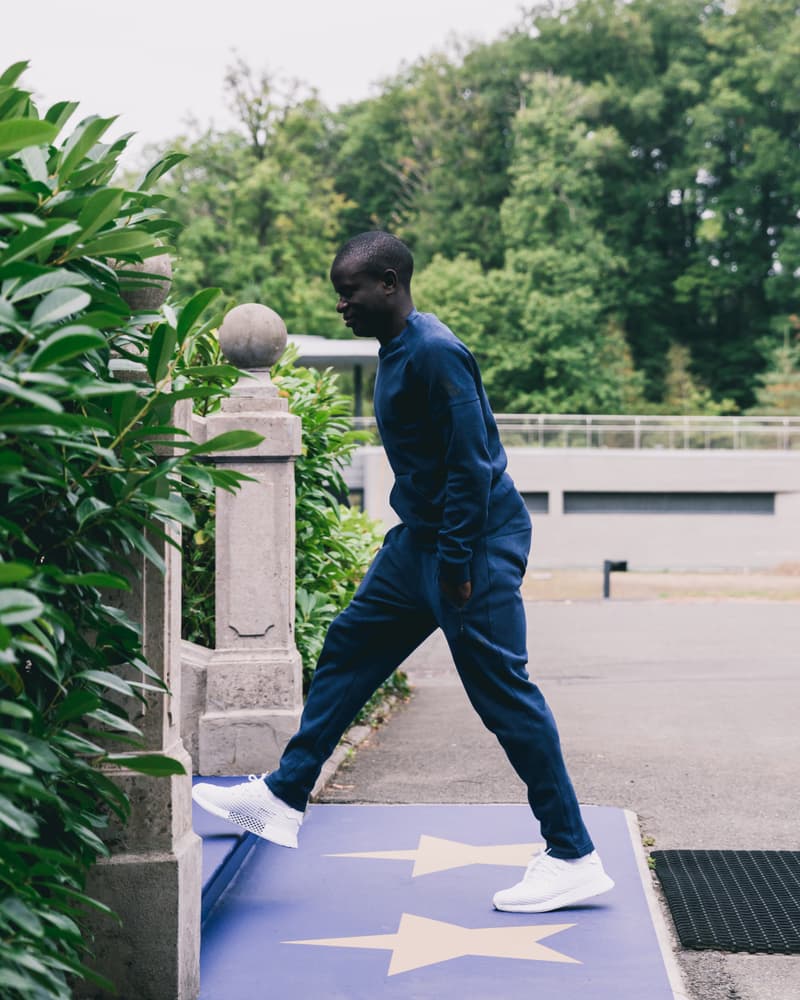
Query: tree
[[744, 140], [260, 215], [778, 393], [684, 393], [428, 157], [649, 147]]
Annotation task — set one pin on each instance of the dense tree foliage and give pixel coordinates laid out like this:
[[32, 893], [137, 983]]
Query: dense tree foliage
[[604, 202], [261, 215]]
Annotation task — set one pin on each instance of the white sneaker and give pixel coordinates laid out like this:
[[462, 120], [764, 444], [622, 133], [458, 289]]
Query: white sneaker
[[251, 805], [551, 883]]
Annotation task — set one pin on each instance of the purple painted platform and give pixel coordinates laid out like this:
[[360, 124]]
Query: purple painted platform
[[417, 923], [225, 847]]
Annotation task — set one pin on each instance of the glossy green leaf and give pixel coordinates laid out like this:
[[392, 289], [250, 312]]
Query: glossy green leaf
[[156, 765], [13, 572], [61, 113], [91, 507], [14, 766], [35, 162], [160, 168], [194, 308], [81, 897], [30, 396], [139, 542], [101, 208], [65, 344], [228, 441], [15, 196], [107, 581], [47, 283], [18, 133], [22, 915], [112, 244], [17, 820], [160, 353], [80, 142], [22, 219], [10, 979], [175, 508], [30, 242], [58, 305], [17, 606], [37, 420], [13, 73], [107, 680], [15, 710], [77, 704], [112, 721]]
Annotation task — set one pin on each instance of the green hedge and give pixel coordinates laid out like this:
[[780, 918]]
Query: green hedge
[[86, 486]]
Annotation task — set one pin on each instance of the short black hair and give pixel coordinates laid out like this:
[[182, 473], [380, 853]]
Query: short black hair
[[375, 252]]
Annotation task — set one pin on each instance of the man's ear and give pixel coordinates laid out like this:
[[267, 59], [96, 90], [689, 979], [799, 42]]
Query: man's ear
[[390, 282]]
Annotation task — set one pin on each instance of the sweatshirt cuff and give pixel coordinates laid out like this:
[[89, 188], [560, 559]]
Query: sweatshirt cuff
[[455, 572]]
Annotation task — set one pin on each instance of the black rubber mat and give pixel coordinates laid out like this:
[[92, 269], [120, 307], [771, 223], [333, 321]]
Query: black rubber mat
[[733, 900]]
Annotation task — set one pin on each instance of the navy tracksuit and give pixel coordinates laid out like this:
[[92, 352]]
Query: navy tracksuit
[[462, 519]]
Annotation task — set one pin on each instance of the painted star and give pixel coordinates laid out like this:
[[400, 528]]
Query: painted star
[[433, 854], [420, 941]]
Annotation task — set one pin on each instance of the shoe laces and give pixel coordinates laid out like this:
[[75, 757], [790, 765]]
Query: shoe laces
[[543, 864], [257, 777]]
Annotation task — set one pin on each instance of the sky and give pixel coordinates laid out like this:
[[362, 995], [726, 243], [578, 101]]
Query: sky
[[157, 63]]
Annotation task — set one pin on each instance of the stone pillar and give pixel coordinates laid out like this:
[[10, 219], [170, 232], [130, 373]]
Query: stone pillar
[[254, 692], [153, 877]]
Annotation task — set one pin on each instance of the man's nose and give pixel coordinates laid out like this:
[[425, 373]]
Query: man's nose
[[341, 305]]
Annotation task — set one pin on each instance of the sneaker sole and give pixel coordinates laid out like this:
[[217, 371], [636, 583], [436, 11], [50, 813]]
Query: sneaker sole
[[578, 895], [281, 839]]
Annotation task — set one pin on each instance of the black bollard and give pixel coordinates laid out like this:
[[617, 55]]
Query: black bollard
[[612, 566]]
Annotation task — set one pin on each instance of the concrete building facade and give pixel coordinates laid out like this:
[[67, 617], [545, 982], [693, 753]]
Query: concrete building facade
[[659, 509]]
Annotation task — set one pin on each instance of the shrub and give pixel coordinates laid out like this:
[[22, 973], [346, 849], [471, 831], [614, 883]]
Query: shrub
[[92, 472]]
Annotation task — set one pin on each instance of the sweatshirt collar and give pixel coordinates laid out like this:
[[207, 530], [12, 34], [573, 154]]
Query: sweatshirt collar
[[396, 342]]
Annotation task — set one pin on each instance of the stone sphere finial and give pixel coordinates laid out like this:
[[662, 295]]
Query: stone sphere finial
[[145, 285], [252, 336]]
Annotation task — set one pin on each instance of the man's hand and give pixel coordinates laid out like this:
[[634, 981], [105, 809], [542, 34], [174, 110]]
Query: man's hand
[[456, 593]]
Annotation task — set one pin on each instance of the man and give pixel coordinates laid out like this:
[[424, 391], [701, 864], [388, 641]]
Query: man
[[455, 562]]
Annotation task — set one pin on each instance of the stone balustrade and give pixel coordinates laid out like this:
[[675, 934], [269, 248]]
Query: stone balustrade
[[243, 699]]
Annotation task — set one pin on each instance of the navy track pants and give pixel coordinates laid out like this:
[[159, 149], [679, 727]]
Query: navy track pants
[[396, 608]]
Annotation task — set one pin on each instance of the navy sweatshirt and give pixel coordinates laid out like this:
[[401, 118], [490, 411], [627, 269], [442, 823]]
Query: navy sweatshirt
[[441, 439]]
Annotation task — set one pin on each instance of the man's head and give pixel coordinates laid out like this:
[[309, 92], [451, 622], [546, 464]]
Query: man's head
[[372, 277]]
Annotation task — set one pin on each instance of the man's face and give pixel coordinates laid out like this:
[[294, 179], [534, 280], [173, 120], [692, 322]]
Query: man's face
[[364, 300]]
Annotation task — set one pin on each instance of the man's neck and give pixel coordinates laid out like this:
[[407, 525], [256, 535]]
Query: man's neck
[[398, 324]]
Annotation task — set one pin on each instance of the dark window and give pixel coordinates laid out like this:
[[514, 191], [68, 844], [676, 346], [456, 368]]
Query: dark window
[[537, 503], [669, 503]]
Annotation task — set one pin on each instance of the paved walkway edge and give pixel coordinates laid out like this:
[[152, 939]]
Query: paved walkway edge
[[354, 736], [666, 939]]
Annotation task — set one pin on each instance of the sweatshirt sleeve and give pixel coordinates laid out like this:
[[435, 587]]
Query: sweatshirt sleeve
[[452, 379]]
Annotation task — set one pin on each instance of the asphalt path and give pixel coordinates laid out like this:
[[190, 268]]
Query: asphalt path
[[685, 712]]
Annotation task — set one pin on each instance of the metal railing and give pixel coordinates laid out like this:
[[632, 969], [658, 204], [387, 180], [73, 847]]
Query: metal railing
[[566, 430]]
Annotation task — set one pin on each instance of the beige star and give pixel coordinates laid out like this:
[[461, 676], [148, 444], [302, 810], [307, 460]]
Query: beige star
[[420, 941], [433, 854]]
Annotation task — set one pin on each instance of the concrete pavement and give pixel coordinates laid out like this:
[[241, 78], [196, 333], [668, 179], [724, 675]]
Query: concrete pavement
[[684, 712]]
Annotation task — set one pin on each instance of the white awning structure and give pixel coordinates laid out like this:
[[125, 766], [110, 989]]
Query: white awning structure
[[344, 355], [354, 355]]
